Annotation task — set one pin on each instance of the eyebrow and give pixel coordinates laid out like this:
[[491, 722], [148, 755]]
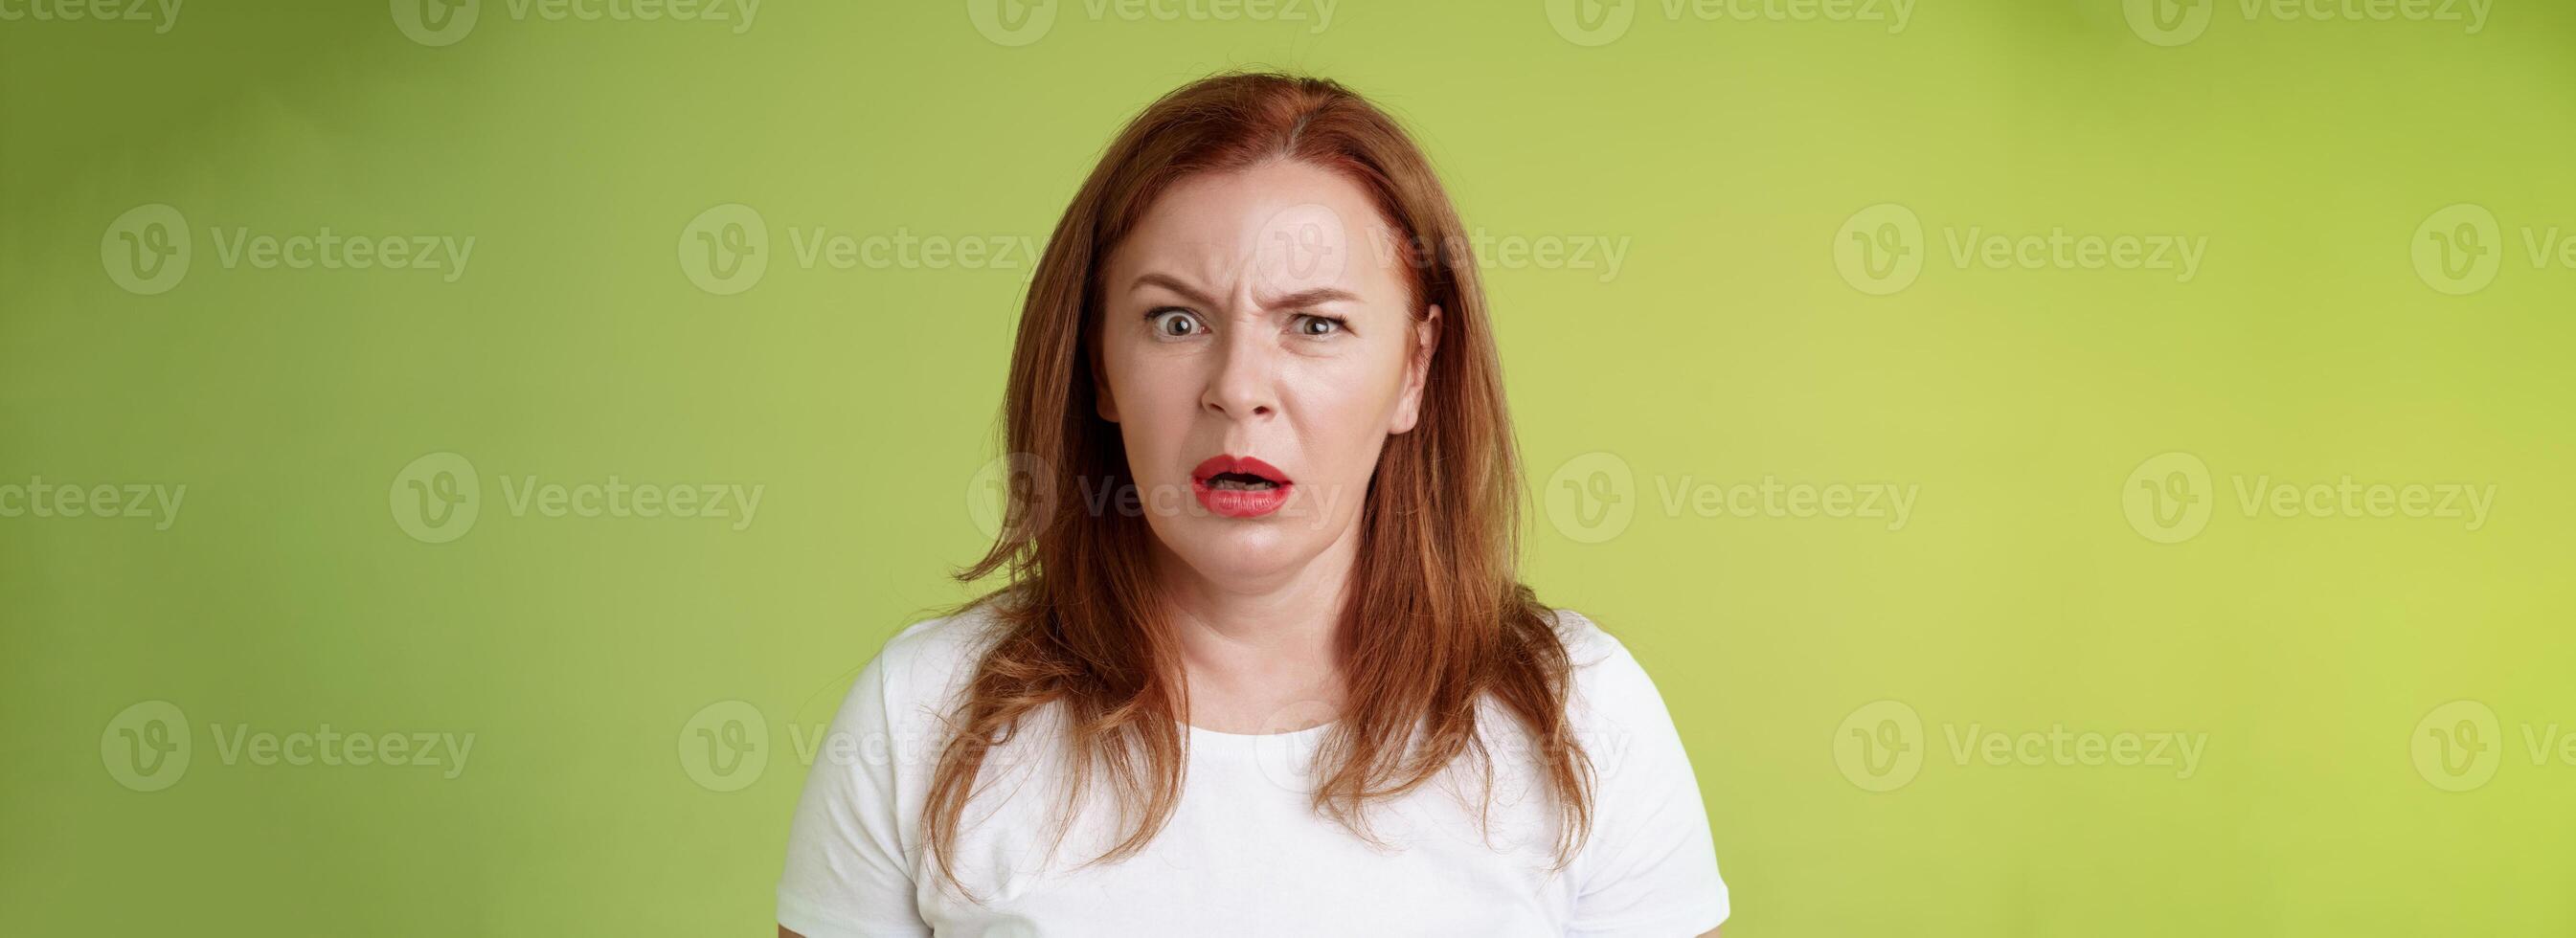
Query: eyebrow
[[1295, 300]]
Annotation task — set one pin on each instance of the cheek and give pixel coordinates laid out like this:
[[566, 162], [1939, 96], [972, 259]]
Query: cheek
[[1343, 407], [1157, 397], [1366, 380]]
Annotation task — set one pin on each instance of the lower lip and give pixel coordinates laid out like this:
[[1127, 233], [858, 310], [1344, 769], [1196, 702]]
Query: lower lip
[[1241, 503]]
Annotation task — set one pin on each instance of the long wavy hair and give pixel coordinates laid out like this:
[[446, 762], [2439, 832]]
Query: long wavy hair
[[1437, 617]]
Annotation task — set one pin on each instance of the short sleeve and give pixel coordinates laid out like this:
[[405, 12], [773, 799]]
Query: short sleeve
[[1650, 870], [848, 873]]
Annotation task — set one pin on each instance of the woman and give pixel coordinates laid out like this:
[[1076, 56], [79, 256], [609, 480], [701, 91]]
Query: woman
[[1264, 666]]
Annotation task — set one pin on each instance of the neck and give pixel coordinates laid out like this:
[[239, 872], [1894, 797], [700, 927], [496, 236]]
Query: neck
[[1254, 648]]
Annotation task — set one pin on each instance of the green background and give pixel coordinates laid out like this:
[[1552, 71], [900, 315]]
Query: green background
[[1726, 154]]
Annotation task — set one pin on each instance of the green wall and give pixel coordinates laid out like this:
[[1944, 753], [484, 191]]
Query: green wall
[[2097, 676]]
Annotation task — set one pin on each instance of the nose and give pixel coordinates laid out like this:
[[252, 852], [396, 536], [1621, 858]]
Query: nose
[[1245, 384]]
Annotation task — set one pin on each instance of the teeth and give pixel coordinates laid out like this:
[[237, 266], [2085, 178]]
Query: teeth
[[1231, 485]]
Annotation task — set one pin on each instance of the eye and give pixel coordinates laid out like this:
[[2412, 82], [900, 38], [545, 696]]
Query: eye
[[1313, 326], [1173, 322]]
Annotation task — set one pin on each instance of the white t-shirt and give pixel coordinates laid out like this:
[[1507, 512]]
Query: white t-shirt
[[1244, 854]]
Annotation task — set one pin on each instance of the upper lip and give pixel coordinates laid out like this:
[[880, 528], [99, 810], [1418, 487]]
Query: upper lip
[[1242, 464]]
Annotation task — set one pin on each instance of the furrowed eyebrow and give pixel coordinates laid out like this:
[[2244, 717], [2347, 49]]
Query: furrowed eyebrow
[[1314, 297], [1168, 283], [1301, 298]]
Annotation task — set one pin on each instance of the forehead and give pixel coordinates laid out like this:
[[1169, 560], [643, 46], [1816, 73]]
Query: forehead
[[1276, 228]]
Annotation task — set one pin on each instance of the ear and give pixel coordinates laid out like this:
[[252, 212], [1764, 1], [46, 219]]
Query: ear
[[1417, 372]]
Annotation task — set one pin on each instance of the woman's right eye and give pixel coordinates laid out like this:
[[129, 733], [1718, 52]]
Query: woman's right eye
[[1172, 322]]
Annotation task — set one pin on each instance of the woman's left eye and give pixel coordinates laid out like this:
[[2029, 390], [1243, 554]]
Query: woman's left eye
[[1313, 326]]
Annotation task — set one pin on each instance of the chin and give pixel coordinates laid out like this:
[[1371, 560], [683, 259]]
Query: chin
[[1228, 549]]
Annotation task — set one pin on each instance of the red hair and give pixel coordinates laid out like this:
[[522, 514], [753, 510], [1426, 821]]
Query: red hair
[[1437, 618]]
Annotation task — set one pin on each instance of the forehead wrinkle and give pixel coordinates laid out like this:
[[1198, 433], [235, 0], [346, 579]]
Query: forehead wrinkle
[[1195, 264]]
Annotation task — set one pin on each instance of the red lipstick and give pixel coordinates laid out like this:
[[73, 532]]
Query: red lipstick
[[1240, 486]]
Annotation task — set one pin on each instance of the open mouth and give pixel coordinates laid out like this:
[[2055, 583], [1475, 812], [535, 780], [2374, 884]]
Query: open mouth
[[1240, 481], [1240, 486]]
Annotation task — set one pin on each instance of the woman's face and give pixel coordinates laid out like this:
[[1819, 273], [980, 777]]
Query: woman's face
[[1256, 349]]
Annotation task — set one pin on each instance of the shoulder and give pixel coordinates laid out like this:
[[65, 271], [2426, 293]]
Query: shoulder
[[1600, 660], [937, 645], [1585, 641], [1651, 865], [923, 666], [1612, 696]]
